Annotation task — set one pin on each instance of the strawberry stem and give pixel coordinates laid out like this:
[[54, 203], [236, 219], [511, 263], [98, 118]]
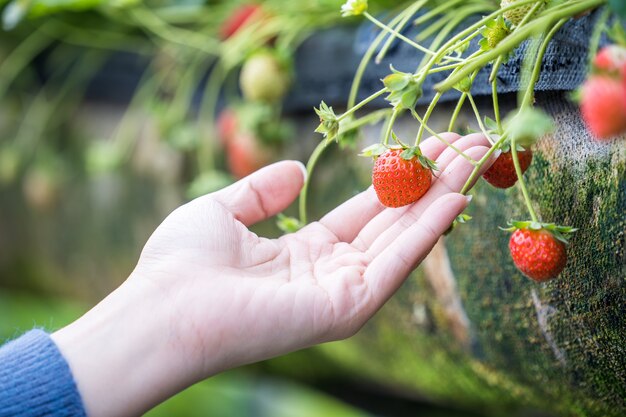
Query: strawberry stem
[[362, 103], [481, 162], [392, 121], [435, 134], [522, 183], [455, 113], [514, 39], [310, 166], [423, 122], [404, 18], [399, 35]]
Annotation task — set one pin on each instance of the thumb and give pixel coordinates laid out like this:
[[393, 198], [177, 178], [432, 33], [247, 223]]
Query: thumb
[[263, 193]]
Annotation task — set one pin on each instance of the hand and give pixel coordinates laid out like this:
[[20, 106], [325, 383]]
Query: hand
[[207, 294]]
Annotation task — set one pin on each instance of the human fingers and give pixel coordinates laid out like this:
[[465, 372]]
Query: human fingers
[[263, 193], [394, 263]]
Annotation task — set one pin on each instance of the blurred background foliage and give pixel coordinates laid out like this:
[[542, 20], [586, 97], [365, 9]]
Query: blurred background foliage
[[108, 122]]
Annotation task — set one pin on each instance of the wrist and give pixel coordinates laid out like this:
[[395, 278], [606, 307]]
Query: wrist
[[120, 353]]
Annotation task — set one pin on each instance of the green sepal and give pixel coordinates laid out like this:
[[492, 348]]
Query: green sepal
[[397, 81], [464, 86], [494, 31], [490, 124], [288, 224], [374, 150], [559, 232], [329, 125]]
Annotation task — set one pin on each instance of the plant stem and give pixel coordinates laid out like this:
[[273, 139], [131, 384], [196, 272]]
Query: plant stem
[[512, 41], [435, 134], [522, 183], [362, 103], [530, 90], [481, 162], [456, 112], [160, 28], [23, 55], [478, 119], [358, 76], [494, 93], [390, 124], [406, 15], [429, 111], [399, 35], [310, 166], [594, 40]]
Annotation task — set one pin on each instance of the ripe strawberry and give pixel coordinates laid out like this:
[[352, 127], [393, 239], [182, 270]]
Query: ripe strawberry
[[227, 125], [610, 59], [538, 249], [264, 77], [603, 106], [245, 154], [537, 254], [516, 15], [502, 173], [399, 181], [240, 17]]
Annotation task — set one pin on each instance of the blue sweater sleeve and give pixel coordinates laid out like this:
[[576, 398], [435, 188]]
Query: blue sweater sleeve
[[35, 379]]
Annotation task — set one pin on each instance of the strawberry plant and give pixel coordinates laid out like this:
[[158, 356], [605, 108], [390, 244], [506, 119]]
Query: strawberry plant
[[399, 174]]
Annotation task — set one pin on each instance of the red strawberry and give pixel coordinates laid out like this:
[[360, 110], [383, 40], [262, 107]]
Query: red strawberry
[[399, 181], [502, 173], [227, 125], [538, 254], [603, 106], [610, 59], [245, 154], [242, 15]]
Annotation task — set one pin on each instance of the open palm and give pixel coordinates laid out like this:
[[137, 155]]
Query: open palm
[[236, 298]]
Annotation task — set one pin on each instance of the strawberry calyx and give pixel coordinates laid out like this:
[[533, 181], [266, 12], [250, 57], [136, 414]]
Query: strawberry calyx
[[329, 122], [408, 153], [404, 89], [561, 233]]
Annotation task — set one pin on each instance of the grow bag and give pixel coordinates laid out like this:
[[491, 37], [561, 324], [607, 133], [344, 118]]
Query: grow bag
[[467, 328]]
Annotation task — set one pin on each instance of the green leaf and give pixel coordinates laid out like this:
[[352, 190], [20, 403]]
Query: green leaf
[[490, 124], [529, 125]]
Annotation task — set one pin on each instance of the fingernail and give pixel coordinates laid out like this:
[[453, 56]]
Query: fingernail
[[469, 198], [303, 169], [497, 153]]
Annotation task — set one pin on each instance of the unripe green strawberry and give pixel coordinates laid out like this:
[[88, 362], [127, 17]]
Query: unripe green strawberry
[[264, 78], [398, 181], [516, 15]]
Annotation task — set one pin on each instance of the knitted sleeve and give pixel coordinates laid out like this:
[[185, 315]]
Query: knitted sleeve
[[35, 379]]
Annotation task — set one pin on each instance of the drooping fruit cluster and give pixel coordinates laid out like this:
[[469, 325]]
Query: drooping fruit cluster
[[538, 249], [502, 173], [603, 95], [401, 176]]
